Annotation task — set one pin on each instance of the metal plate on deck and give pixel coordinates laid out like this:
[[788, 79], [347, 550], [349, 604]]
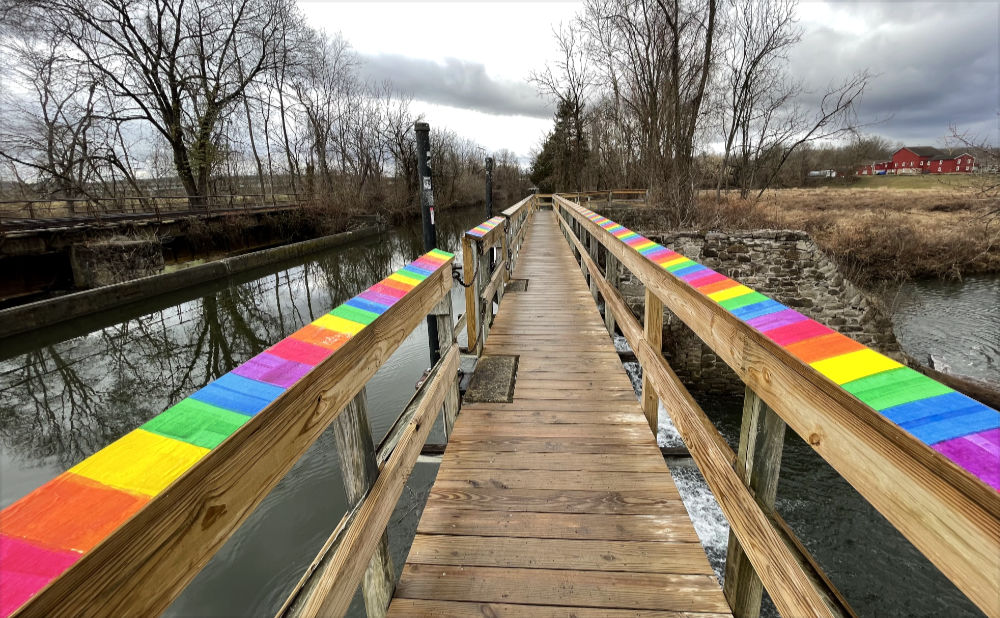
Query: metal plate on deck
[[517, 285], [493, 381]]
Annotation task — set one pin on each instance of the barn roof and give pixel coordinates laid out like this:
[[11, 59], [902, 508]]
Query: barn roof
[[926, 151]]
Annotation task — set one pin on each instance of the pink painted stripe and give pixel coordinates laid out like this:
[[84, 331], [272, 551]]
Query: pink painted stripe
[[807, 329], [385, 290], [700, 279], [26, 569], [272, 369], [979, 453], [660, 253], [776, 320]]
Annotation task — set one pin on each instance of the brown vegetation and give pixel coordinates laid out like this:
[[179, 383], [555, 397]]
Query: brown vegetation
[[875, 235]]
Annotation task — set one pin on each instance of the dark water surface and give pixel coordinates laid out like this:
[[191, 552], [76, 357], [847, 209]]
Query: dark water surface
[[955, 322], [71, 390]]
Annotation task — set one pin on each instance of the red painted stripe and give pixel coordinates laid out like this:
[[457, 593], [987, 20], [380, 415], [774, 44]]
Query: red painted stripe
[[823, 347], [300, 351], [797, 332]]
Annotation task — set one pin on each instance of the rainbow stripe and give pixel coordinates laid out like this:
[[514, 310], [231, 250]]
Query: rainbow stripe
[[960, 428], [47, 531], [483, 228]]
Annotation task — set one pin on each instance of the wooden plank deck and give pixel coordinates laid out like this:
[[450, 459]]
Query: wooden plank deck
[[558, 503]]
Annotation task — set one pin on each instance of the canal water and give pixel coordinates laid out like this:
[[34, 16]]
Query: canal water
[[72, 389]]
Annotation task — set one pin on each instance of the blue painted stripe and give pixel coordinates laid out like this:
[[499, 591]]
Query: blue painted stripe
[[938, 428], [420, 273], [953, 403], [764, 307], [687, 270], [238, 394], [367, 305]]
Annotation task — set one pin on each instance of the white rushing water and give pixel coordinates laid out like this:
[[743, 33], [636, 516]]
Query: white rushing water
[[709, 522]]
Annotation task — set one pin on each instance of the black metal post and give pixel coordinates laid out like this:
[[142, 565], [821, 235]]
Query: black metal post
[[422, 130], [489, 187]]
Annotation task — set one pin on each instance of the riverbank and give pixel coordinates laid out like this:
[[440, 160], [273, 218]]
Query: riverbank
[[40, 314], [877, 234]]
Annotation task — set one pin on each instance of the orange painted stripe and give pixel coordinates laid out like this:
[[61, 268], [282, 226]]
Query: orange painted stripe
[[322, 337], [70, 513], [823, 347], [718, 286]]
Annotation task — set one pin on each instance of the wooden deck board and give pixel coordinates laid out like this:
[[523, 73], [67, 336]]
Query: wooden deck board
[[558, 503]]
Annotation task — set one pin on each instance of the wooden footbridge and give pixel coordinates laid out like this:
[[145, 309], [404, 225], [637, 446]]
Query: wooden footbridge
[[552, 498]]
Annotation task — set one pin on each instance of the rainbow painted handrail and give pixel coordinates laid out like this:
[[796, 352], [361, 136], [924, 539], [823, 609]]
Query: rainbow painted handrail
[[960, 428], [484, 228], [47, 531]]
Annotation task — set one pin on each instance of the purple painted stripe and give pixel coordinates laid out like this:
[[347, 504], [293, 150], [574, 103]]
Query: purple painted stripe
[[375, 297], [776, 320], [979, 453], [693, 278], [272, 369]]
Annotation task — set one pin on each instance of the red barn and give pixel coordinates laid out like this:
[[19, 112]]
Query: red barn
[[921, 160]]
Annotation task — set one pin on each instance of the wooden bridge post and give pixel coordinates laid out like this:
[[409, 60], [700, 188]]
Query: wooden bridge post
[[485, 305], [442, 312], [356, 452], [652, 333], [611, 270], [470, 268], [758, 462], [594, 248]]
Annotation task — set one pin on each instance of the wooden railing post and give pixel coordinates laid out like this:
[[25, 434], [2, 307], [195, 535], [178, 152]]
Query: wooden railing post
[[356, 452], [446, 338], [611, 270], [470, 272], [505, 256], [594, 246], [653, 333], [485, 315], [758, 462]]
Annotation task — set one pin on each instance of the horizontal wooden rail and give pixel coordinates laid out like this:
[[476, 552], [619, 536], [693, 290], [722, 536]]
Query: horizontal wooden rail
[[330, 582], [949, 514], [135, 522], [788, 576]]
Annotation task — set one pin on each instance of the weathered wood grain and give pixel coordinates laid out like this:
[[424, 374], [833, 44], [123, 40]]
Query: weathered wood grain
[[149, 559], [951, 517]]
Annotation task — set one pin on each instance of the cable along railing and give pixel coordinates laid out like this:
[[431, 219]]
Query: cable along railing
[[913, 448], [125, 530]]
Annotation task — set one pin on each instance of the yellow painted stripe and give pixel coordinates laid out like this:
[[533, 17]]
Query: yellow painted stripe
[[854, 365], [140, 462], [678, 259], [648, 243], [332, 322], [404, 279], [733, 292]]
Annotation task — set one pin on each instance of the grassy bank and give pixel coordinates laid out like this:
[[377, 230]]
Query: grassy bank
[[878, 230]]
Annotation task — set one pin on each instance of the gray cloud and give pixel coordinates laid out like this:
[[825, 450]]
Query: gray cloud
[[457, 83], [937, 65]]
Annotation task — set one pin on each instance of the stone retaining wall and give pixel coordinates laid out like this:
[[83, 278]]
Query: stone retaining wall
[[782, 264]]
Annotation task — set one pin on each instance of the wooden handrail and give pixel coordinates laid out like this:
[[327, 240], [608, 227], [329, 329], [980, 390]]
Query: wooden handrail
[[329, 584], [195, 496], [788, 577], [949, 514]]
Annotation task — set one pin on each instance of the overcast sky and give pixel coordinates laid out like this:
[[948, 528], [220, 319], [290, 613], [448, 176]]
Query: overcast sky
[[467, 63]]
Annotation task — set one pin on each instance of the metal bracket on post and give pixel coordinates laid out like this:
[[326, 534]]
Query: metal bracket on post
[[356, 452], [758, 462]]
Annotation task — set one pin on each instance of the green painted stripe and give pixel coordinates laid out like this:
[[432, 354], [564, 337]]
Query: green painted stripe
[[679, 265], [443, 254], [354, 314], [742, 301], [196, 423], [894, 387]]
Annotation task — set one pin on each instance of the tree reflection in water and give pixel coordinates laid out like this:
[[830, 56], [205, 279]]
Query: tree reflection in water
[[60, 403]]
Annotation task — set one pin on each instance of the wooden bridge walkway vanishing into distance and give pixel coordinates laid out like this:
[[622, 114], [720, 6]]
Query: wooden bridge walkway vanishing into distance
[[552, 498]]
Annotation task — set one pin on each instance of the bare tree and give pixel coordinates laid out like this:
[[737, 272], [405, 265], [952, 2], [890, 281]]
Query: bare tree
[[181, 64]]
